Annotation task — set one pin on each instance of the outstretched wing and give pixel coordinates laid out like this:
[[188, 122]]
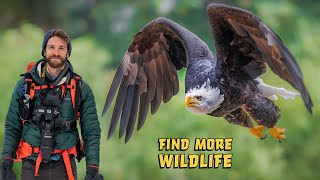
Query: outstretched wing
[[148, 73], [247, 45]]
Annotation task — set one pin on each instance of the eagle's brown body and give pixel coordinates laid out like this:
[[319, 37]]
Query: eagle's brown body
[[245, 103]]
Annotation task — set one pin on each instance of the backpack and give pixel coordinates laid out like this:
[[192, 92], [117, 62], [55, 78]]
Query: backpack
[[74, 86], [30, 88]]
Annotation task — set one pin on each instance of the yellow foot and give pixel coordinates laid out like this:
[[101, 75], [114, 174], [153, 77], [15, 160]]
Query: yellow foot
[[257, 131], [277, 133]]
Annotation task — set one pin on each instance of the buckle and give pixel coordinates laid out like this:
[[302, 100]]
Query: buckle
[[67, 126], [70, 125]]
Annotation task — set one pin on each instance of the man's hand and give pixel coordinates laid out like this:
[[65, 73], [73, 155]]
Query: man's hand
[[92, 173], [6, 172]]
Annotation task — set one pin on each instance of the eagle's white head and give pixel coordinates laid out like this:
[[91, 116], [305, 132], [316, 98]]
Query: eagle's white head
[[204, 99]]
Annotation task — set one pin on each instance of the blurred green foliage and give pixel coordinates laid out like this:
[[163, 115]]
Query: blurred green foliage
[[102, 30]]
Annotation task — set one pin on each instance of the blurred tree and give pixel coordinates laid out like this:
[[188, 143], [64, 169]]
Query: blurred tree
[[14, 12], [113, 23]]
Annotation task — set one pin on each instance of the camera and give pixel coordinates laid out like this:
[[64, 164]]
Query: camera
[[48, 111], [47, 118]]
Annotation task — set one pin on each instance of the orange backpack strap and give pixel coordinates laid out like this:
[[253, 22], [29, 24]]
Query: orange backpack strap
[[30, 66], [72, 87], [29, 92], [67, 163], [75, 92]]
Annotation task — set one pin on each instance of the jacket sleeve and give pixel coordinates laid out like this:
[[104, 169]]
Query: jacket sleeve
[[90, 126], [13, 125]]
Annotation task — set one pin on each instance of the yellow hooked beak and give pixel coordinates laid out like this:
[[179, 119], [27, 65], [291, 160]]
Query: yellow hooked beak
[[188, 102]]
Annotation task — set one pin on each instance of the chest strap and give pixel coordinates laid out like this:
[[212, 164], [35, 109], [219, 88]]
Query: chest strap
[[31, 88]]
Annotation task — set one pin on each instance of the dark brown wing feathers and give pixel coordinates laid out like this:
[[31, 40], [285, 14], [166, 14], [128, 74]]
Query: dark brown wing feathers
[[155, 103], [133, 114], [240, 33], [146, 77]]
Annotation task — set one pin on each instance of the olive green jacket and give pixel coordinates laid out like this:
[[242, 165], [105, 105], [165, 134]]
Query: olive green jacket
[[30, 133]]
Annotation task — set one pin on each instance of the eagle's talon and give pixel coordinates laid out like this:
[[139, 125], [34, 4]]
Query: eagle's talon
[[277, 133], [265, 136], [281, 140], [257, 131]]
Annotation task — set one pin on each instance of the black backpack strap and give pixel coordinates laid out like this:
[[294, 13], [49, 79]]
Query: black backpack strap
[[26, 99], [78, 95], [79, 146], [28, 82]]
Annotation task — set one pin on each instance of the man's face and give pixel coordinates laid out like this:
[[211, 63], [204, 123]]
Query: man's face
[[56, 52]]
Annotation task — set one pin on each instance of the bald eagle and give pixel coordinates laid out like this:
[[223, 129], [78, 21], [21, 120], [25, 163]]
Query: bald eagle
[[225, 84]]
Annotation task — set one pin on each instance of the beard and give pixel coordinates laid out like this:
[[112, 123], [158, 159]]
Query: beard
[[56, 61]]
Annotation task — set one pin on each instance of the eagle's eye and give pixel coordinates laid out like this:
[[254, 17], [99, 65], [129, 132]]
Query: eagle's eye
[[199, 98], [222, 81]]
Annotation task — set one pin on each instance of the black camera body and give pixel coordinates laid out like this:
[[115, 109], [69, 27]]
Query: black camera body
[[48, 119]]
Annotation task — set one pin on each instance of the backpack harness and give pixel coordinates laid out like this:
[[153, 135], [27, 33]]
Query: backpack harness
[[48, 119]]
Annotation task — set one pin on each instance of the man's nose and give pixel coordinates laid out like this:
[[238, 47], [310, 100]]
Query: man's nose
[[55, 52]]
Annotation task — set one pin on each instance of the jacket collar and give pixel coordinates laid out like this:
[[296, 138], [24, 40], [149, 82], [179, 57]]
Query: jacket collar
[[41, 76]]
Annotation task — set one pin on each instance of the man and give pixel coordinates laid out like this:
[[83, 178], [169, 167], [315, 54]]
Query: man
[[41, 123]]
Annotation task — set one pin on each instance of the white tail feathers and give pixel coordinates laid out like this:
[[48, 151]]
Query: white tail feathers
[[271, 91]]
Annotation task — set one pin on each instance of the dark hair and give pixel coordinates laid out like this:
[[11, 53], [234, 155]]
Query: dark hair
[[59, 33]]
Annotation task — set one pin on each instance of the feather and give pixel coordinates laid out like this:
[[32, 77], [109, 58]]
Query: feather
[[151, 73], [113, 89], [118, 107], [167, 83], [126, 110], [234, 26], [155, 103], [143, 110], [133, 114]]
